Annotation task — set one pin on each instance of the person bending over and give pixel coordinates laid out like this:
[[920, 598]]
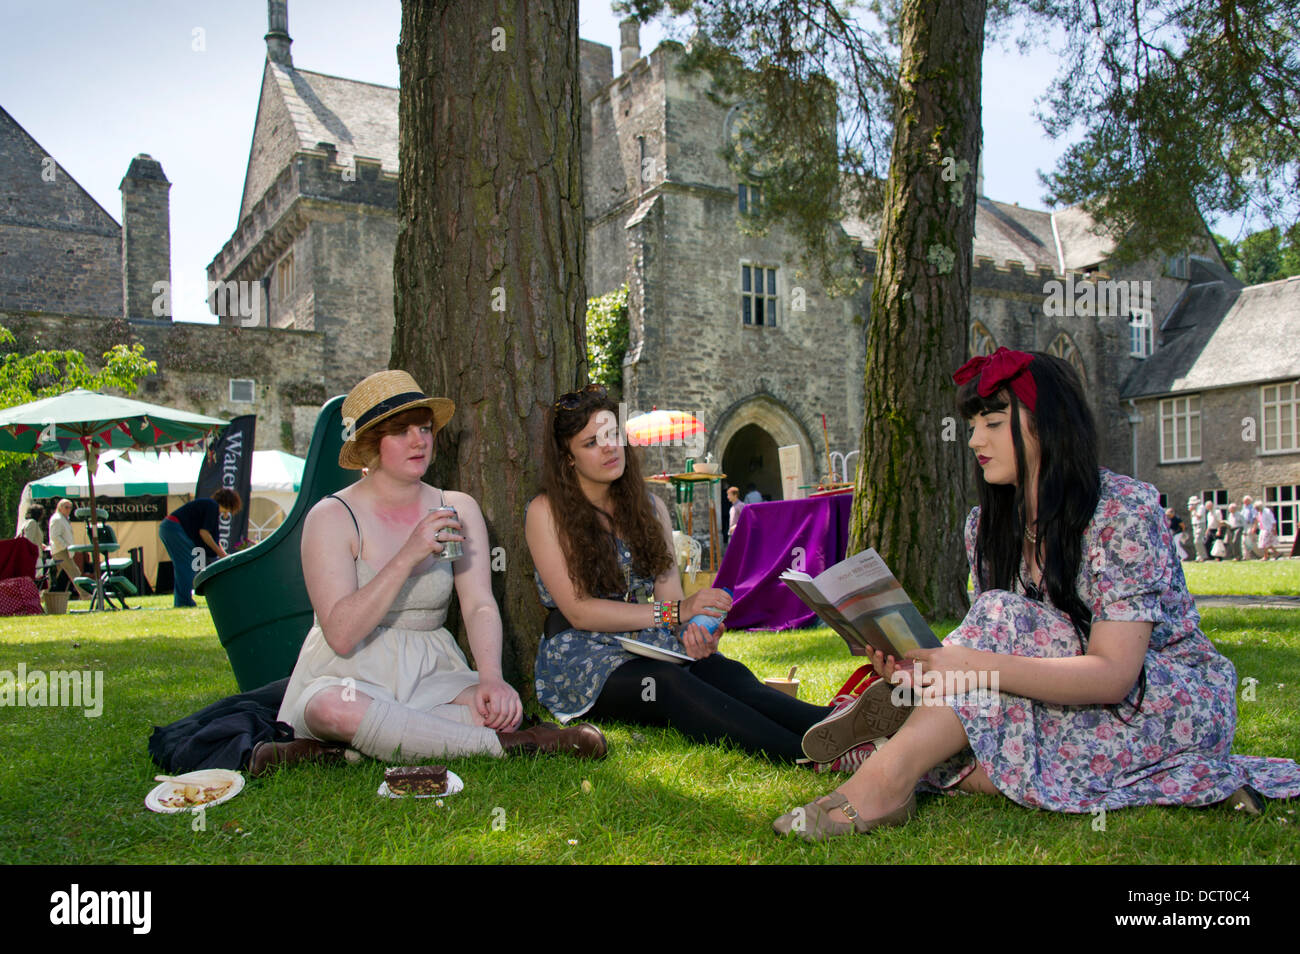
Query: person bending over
[[194, 527]]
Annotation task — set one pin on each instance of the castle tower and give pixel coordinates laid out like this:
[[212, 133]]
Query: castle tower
[[146, 237], [277, 35], [629, 49]]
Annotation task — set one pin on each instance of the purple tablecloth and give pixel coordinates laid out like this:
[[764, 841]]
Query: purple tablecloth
[[764, 546]]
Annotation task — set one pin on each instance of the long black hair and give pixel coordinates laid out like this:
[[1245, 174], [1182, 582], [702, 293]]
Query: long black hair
[[1069, 487]]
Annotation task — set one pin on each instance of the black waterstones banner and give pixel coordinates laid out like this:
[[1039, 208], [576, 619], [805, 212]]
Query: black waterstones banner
[[124, 509], [229, 463]]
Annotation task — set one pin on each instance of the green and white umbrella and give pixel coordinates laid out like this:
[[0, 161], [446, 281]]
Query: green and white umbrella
[[80, 425]]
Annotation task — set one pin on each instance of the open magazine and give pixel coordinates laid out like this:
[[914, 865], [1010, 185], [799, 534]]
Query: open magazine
[[861, 600]]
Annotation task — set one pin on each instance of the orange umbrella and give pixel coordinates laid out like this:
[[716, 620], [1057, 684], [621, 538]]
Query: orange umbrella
[[662, 427]]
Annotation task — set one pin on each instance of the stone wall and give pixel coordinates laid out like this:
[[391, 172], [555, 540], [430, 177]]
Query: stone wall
[[74, 269], [196, 363], [59, 248], [273, 145], [1228, 461]]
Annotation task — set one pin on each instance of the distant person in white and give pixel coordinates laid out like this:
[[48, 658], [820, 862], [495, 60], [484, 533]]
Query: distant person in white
[[61, 539], [733, 497]]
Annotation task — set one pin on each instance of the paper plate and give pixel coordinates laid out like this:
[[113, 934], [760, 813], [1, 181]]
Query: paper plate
[[652, 652], [153, 801], [454, 786]]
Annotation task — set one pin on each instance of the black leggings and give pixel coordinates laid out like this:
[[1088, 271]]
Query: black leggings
[[709, 700]]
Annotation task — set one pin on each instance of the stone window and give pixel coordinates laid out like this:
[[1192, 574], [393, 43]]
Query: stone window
[[1280, 410], [1180, 429], [1063, 347], [758, 295], [1284, 501], [284, 278], [981, 341], [1219, 497], [242, 391], [1141, 333], [751, 199]]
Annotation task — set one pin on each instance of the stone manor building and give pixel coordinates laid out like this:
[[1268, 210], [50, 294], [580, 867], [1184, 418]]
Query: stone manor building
[[722, 324]]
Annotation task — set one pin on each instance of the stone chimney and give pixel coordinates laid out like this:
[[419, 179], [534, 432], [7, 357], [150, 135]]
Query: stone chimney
[[277, 35], [146, 238], [629, 49]]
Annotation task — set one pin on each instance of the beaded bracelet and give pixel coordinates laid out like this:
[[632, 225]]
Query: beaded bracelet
[[667, 613]]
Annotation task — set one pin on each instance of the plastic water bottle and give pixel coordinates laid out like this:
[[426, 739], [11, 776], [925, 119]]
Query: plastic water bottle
[[709, 622]]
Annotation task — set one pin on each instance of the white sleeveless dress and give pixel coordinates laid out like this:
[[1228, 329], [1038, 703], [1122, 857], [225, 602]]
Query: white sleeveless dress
[[409, 658]]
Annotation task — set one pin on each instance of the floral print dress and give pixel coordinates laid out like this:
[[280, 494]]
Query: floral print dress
[[1174, 750], [572, 666]]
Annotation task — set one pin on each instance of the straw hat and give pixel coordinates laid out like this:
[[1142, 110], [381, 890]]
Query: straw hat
[[378, 398]]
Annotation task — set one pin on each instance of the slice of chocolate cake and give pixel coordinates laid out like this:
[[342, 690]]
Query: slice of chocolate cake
[[416, 779]]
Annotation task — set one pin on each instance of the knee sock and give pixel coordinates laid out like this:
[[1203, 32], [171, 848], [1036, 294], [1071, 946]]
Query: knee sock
[[388, 729]]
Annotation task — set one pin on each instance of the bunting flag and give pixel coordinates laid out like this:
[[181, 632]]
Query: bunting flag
[[124, 429], [63, 442], [157, 431], [76, 469], [111, 465], [20, 429], [106, 436]]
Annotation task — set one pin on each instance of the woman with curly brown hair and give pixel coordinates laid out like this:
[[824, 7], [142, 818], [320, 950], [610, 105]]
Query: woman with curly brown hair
[[601, 544]]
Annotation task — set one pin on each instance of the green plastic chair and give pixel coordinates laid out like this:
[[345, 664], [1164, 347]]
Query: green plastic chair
[[257, 597]]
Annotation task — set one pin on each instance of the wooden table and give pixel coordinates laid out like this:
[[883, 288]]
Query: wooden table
[[684, 490]]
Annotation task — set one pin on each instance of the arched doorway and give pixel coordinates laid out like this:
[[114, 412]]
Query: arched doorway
[[747, 437], [750, 457]]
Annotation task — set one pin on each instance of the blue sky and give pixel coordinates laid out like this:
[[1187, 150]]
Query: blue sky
[[96, 83]]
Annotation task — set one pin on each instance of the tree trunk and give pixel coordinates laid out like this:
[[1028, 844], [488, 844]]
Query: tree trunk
[[912, 485], [488, 273]]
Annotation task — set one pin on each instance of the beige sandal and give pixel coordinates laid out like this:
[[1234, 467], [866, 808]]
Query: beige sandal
[[812, 822]]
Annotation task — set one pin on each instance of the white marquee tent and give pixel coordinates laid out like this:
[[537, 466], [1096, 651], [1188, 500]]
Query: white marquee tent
[[276, 477]]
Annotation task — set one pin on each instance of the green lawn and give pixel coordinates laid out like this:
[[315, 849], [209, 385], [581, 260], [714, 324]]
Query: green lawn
[[1249, 577], [74, 787]]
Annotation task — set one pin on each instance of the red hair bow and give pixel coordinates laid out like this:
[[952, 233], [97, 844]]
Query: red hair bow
[[1002, 369]]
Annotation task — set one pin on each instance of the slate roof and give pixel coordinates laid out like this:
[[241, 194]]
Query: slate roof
[[1220, 334], [359, 118], [1005, 232]]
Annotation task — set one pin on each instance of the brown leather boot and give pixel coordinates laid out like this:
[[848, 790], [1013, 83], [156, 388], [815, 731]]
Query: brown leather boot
[[269, 755], [582, 741]]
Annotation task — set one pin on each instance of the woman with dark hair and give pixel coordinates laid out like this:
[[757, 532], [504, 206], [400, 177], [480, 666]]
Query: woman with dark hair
[[601, 544], [1080, 679]]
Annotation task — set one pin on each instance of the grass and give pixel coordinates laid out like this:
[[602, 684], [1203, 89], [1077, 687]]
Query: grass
[[74, 786], [1250, 577]]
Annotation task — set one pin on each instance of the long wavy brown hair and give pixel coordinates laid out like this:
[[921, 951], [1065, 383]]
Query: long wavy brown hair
[[585, 538]]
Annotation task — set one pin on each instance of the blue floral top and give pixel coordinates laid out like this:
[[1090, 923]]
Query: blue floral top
[[572, 666]]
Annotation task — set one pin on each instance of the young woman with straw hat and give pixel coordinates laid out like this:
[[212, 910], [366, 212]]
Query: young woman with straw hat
[[379, 671]]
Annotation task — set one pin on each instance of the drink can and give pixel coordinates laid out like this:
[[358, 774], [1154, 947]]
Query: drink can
[[451, 549]]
